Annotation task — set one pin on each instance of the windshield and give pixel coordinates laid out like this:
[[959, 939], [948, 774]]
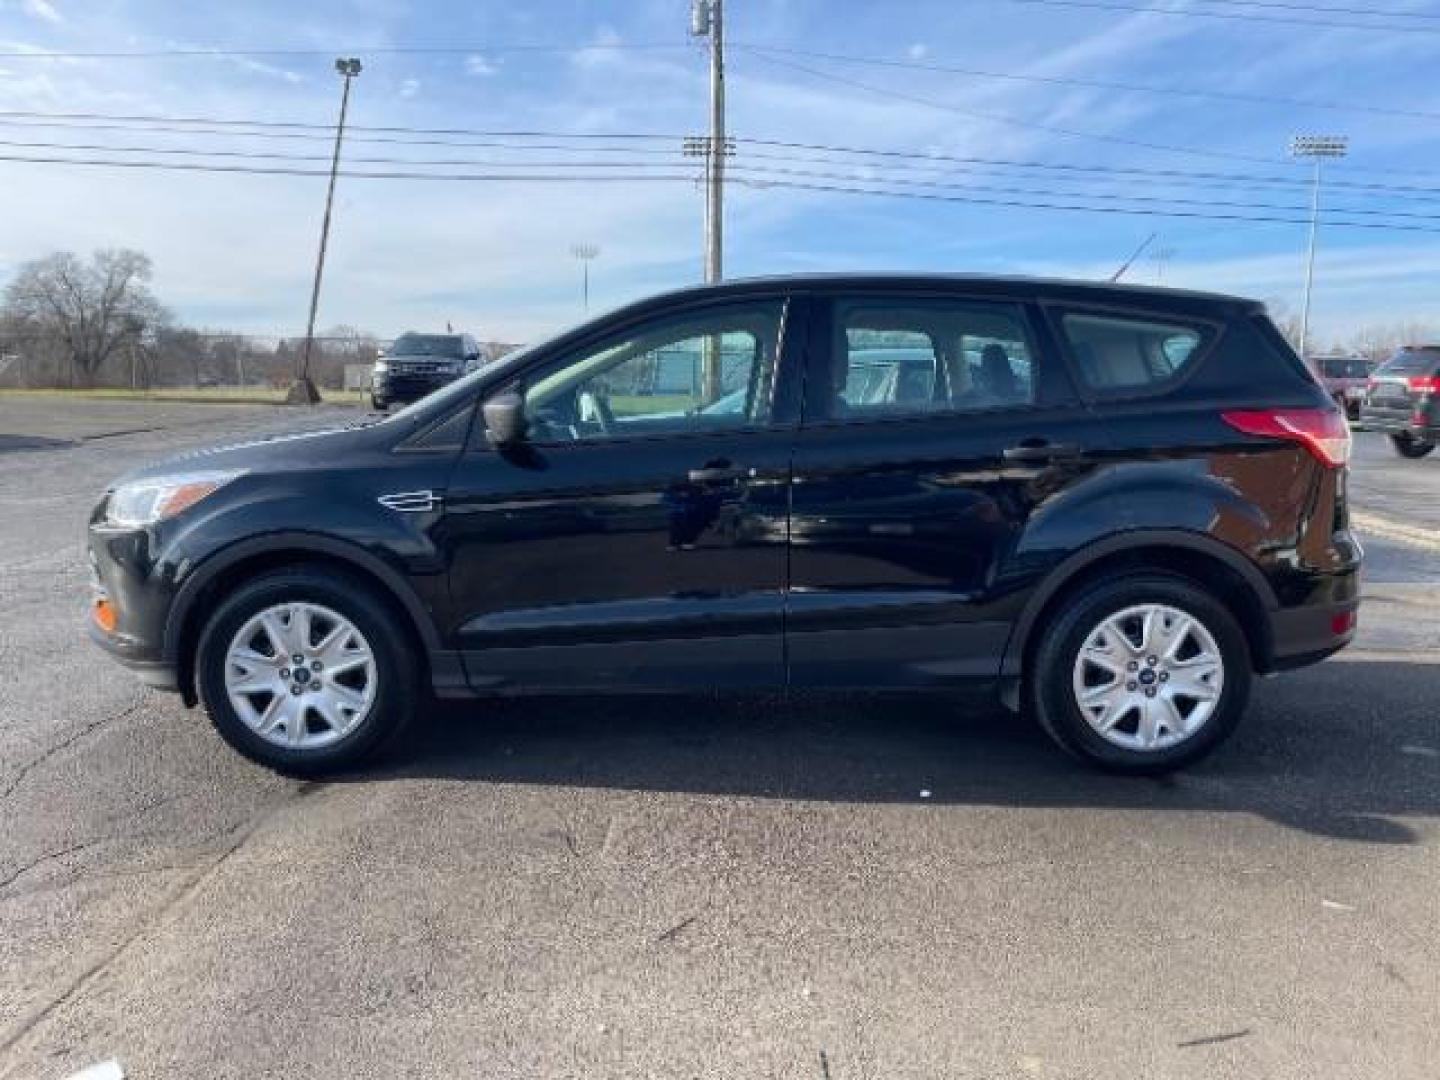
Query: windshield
[[447, 345], [1412, 362]]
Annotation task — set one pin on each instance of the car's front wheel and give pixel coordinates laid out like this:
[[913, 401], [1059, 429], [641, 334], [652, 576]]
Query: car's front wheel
[[1141, 674], [1407, 446], [305, 671]]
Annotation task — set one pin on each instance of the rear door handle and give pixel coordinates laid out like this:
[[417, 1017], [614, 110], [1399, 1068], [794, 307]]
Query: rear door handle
[[712, 474], [1041, 452]]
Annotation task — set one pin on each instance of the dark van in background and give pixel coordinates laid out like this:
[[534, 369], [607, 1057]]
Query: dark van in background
[[416, 364]]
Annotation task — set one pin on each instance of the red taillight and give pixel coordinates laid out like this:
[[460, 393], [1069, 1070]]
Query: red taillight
[[1424, 384], [1321, 431]]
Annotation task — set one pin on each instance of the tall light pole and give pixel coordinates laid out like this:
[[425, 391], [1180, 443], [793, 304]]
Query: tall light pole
[[304, 392], [1317, 148], [585, 252]]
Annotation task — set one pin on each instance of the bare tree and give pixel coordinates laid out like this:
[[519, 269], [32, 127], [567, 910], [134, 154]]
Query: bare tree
[[93, 310]]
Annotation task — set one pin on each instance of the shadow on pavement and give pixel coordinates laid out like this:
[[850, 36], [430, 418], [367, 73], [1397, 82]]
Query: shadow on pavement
[[1338, 751], [9, 443]]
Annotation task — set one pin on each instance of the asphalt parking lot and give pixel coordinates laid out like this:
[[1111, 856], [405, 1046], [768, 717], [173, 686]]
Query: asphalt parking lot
[[824, 887]]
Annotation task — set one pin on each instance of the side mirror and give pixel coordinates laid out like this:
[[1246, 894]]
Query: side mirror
[[505, 422]]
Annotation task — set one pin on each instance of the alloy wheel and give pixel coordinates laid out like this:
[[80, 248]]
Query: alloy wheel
[[1148, 677], [300, 675]]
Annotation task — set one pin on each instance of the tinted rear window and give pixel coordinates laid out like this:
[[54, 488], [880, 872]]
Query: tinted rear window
[[1408, 362], [427, 345], [1343, 367], [1117, 352]]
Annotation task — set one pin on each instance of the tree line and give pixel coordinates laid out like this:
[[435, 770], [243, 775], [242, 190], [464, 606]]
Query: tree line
[[71, 322]]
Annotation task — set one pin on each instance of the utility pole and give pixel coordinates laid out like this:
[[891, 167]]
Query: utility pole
[[707, 19], [585, 252], [303, 391], [1317, 148]]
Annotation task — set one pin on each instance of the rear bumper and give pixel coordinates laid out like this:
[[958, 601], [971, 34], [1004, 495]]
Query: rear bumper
[[1401, 422], [1308, 635]]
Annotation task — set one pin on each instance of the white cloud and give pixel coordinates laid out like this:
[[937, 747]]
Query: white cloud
[[43, 9], [409, 88], [475, 64], [918, 51]]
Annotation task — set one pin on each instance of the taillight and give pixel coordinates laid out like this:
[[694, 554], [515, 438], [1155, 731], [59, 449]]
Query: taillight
[[1424, 384], [1321, 431]]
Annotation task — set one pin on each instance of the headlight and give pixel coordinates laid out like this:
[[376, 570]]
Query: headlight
[[144, 502], [381, 367]]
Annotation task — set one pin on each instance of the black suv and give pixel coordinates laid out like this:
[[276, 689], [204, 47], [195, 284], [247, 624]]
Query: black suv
[[419, 364], [1108, 506], [1403, 400]]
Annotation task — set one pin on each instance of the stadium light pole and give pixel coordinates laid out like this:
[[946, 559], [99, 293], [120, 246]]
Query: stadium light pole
[[585, 252], [1317, 148], [304, 392]]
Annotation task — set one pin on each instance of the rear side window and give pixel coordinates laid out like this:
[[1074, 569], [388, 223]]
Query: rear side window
[[910, 358], [1120, 353], [1412, 362]]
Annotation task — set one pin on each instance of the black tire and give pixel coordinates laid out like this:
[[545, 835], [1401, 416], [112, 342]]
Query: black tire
[[1051, 698], [396, 695], [1407, 446]]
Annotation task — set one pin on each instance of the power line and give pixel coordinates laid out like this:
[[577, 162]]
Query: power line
[[1134, 212], [1288, 20], [1098, 84], [328, 130], [261, 156], [363, 50], [1178, 179], [1171, 200], [1327, 9], [1053, 129], [759, 181]]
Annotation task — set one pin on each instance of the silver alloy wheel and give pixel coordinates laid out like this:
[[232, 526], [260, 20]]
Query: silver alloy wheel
[[300, 675], [1148, 677]]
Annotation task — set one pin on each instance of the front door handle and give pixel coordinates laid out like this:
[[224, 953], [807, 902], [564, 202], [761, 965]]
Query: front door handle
[[712, 474], [1032, 452]]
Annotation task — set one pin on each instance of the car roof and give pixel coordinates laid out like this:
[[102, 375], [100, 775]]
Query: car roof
[[1048, 288]]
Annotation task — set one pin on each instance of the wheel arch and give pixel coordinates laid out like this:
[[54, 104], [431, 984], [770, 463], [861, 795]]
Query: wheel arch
[[221, 573], [1225, 572]]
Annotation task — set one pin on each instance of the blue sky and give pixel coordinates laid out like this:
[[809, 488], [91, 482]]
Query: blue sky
[[235, 251]]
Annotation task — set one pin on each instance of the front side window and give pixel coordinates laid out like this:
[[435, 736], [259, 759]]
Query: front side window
[[1116, 352], [932, 356], [710, 371]]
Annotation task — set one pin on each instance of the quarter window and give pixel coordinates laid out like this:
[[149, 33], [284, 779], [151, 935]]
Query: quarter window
[[706, 372], [923, 357], [1118, 353]]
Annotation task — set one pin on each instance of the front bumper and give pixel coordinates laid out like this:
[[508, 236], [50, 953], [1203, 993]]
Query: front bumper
[[159, 674], [138, 594], [402, 387]]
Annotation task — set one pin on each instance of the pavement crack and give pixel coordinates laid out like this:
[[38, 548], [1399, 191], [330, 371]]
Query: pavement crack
[[64, 744], [50, 857], [176, 900], [1211, 1040]]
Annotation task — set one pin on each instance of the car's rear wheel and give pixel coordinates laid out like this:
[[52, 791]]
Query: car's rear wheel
[[1408, 446], [1141, 674], [305, 671]]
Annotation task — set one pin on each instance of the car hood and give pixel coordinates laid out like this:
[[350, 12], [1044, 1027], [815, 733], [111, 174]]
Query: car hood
[[272, 453]]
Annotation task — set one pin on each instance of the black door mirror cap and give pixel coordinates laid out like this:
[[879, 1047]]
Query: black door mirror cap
[[505, 420]]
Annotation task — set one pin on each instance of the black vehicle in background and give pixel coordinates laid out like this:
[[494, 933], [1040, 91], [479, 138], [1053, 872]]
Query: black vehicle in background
[[417, 364], [1107, 506], [1402, 399]]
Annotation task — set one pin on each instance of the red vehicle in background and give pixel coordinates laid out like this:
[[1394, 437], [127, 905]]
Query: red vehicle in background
[[1344, 379]]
